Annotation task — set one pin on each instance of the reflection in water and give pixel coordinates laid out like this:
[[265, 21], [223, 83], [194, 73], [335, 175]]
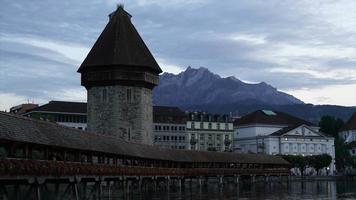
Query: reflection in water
[[344, 190]]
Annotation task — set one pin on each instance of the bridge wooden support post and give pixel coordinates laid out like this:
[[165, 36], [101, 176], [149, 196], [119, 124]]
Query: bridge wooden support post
[[38, 191], [221, 181], [168, 184], [140, 180], [237, 180], [253, 178], [266, 178], [124, 187], [200, 180], [154, 183], [109, 183], [180, 183]]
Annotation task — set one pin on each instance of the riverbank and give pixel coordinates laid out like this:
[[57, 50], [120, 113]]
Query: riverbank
[[322, 178]]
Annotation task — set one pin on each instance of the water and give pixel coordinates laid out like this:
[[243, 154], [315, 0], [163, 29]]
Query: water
[[343, 190]]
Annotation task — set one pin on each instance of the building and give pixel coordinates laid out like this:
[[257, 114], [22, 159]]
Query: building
[[209, 132], [22, 108], [119, 74], [71, 114], [272, 132], [348, 134], [169, 127]]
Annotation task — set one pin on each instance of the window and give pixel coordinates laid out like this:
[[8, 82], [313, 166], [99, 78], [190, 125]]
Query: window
[[129, 134], [128, 95], [193, 125], [209, 125], [105, 95], [210, 137], [218, 126], [201, 125], [226, 126]]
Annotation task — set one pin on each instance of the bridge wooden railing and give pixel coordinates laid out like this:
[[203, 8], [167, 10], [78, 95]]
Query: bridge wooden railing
[[21, 167]]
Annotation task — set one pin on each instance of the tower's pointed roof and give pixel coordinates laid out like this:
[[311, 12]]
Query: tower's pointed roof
[[120, 45]]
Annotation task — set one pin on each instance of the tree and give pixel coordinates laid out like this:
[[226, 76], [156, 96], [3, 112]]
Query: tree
[[320, 161], [331, 126]]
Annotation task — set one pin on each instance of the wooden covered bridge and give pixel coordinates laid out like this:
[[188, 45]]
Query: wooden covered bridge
[[36, 154]]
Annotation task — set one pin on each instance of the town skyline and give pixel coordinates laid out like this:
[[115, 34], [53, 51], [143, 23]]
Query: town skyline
[[231, 39]]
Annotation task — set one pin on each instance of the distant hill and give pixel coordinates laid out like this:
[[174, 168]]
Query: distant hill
[[200, 89]]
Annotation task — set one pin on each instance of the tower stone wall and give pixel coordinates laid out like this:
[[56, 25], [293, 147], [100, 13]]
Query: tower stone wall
[[119, 74], [121, 111]]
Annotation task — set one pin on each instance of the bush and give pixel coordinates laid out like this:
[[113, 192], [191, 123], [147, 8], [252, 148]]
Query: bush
[[316, 161]]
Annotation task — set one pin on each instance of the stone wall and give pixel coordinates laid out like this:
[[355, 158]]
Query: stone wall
[[121, 111]]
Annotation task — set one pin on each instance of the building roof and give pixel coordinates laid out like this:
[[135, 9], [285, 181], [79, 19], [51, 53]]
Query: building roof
[[166, 114], [27, 130], [350, 124], [120, 45], [284, 130], [161, 114], [22, 108], [62, 107], [270, 118], [207, 117]]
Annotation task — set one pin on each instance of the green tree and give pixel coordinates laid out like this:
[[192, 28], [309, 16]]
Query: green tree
[[332, 126], [320, 161]]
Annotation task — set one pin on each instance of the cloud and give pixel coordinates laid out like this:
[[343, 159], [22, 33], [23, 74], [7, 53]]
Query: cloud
[[293, 45], [335, 95]]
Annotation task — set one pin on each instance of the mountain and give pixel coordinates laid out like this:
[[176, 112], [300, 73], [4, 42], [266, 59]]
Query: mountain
[[201, 90], [202, 87]]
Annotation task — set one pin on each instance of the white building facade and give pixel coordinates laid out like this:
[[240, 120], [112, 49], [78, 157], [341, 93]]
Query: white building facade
[[207, 132], [169, 128], [269, 132]]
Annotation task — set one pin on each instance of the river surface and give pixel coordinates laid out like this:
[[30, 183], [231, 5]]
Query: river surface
[[261, 190]]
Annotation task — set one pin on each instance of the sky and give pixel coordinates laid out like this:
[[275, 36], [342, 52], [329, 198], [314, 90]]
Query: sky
[[305, 48]]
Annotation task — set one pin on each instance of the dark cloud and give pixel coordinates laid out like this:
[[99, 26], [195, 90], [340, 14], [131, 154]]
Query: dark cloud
[[244, 38]]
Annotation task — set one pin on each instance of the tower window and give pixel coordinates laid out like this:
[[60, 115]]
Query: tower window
[[129, 134], [105, 95], [128, 95]]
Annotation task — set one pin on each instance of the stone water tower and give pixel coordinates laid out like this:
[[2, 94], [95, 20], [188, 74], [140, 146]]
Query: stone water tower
[[119, 74]]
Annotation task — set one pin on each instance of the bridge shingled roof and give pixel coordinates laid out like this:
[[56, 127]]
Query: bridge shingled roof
[[27, 130]]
